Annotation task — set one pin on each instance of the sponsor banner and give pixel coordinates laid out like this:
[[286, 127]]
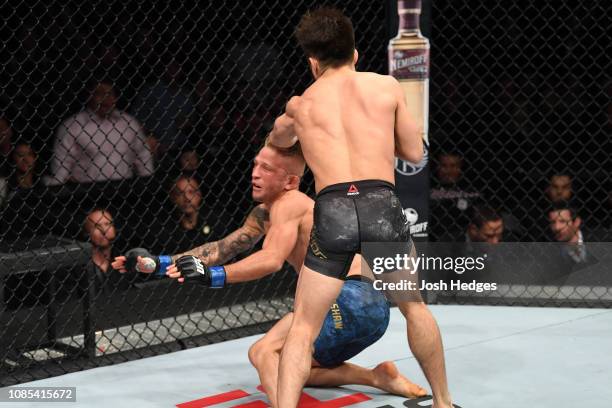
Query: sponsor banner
[[412, 187], [409, 64]]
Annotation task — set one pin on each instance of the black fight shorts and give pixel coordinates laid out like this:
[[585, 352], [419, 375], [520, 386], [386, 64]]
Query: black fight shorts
[[348, 214]]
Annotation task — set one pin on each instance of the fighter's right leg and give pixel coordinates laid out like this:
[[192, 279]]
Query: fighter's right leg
[[314, 296], [426, 345]]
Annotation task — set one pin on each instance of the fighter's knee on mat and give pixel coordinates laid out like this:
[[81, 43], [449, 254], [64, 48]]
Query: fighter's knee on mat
[[256, 352], [262, 349]]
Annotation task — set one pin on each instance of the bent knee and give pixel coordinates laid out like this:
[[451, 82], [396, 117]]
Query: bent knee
[[261, 350], [255, 352]]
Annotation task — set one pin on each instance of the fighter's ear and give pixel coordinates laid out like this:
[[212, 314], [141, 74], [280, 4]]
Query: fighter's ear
[[355, 57], [293, 182], [314, 66]]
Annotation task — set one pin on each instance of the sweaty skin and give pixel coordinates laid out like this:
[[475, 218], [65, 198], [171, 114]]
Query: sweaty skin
[[358, 118], [350, 126], [285, 218]]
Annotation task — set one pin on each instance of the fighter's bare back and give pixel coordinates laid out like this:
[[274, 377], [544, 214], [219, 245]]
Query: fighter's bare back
[[357, 119]]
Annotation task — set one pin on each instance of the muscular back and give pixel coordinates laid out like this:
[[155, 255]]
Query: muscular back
[[345, 123]]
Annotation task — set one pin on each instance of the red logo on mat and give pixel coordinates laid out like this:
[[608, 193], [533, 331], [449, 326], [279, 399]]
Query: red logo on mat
[[352, 190], [306, 401]]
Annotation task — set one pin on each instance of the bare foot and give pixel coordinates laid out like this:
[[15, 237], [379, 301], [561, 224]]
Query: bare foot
[[388, 378]]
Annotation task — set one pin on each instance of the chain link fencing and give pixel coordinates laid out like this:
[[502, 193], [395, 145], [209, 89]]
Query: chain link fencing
[[121, 120], [130, 125], [520, 129]]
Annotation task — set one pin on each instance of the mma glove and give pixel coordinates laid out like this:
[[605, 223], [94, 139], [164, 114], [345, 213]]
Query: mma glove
[[194, 270], [155, 264]]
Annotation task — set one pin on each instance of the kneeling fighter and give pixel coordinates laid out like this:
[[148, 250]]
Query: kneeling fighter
[[357, 319]]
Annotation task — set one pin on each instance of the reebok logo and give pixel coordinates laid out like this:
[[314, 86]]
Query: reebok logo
[[352, 190]]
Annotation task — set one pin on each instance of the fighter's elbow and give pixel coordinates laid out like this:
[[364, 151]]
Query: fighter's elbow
[[413, 155], [276, 263], [416, 155]]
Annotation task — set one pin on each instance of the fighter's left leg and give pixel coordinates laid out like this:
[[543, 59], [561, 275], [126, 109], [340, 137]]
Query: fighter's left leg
[[264, 354], [358, 319]]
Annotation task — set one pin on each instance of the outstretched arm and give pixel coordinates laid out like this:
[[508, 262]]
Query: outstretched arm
[[211, 253], [283, 134], [280, 241], [241, 240]]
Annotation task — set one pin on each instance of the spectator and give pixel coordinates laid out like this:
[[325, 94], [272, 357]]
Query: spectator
[[486, 225], [25, 212], [186, 196], [449, 169], [565, 224], [100, 143], [188, 226], [25, 174], [559, 188], [566, 228], [189, 163], [450, 199], [100, 231]]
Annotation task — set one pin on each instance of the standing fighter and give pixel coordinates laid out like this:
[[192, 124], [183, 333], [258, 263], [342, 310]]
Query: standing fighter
[[359, 316], [351, 125]]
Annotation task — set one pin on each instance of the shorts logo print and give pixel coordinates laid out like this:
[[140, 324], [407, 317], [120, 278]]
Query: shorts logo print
[[337, 316], [314, 247]]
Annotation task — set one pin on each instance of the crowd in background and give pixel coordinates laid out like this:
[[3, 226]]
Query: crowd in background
[[156, 129]]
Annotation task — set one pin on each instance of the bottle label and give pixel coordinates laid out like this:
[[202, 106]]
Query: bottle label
[[409, 64]]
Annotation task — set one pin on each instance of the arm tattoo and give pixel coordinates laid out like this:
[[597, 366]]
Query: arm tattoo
[[218, 252], [208, 253], [233, 245], [260, 215]]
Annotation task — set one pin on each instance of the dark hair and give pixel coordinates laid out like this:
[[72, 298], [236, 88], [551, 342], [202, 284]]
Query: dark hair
[[483, 213], [327, 35], [174, 182], [94, 81], [562, 206], [84, 234]]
